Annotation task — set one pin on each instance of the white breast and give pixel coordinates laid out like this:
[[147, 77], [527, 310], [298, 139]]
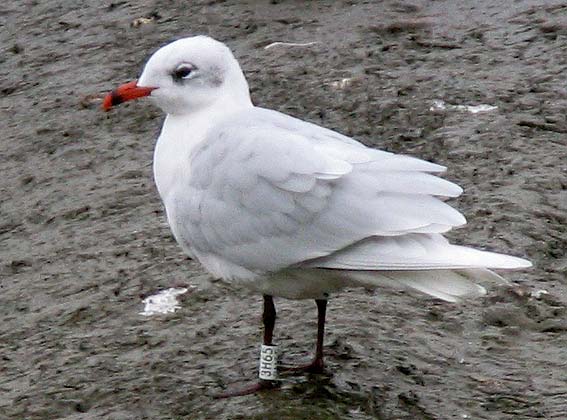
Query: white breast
[[179, 136]]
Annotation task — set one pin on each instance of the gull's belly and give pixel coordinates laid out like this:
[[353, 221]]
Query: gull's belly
[[298, 283]]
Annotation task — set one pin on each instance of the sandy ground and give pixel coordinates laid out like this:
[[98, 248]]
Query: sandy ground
[[83, 236]]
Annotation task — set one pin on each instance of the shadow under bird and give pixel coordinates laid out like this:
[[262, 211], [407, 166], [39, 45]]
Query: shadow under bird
[[291, 209]]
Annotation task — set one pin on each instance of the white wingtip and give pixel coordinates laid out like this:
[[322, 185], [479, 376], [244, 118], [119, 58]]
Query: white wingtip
[[448, 285]]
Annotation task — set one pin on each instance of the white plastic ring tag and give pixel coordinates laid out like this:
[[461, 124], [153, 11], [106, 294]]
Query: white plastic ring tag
[[268, 363]]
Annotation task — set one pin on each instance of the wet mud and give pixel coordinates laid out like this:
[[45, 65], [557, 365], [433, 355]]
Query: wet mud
[[83, 237]]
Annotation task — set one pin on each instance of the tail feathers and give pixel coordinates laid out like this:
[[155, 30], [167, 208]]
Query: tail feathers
[[447, 285]]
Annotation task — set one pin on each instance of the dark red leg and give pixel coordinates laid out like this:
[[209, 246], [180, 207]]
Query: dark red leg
[[269, 320], [317, 365]]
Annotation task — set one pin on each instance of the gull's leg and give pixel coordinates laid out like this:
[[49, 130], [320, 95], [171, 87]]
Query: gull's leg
[[269, 320], [317, 365]]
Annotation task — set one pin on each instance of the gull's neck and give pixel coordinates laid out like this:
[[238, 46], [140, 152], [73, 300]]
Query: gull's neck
[[182, 133]]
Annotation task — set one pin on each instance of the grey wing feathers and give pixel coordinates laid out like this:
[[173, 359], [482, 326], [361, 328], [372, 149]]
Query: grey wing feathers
[[271, 191]]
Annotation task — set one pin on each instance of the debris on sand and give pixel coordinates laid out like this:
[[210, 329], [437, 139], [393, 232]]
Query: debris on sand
[[343, 83], [164, 302], [439, 105], [144, 20], [290, 44]]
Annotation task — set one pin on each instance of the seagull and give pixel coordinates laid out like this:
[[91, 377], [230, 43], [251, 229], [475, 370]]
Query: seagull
[[290, 209]]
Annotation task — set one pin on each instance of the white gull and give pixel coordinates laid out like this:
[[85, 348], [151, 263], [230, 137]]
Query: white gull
[[291, 209]]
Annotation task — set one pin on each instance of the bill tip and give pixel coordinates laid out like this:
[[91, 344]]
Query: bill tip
[[107, 103]]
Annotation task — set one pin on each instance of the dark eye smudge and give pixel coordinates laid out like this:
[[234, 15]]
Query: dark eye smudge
[[215, 78], [180, 73]]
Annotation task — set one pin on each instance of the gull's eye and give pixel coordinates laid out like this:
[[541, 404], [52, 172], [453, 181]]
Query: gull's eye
[[183, 71]]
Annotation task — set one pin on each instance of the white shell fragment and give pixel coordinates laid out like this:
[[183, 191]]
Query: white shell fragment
[[163, 302], [439, 105], [289, 44], [538, 294], [343, 83]]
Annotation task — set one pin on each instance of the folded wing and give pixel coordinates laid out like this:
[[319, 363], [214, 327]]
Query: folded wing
[[269, 191]]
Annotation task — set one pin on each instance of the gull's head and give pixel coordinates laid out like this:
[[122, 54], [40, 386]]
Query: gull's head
[[186, 76]]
